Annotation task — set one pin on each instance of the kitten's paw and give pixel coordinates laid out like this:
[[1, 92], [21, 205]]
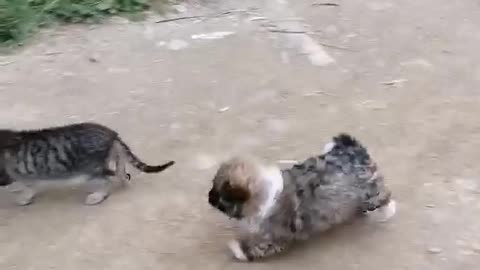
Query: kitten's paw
[[388, 211], [25, 197], [237, 251], [328, 147], [24, 200], [125, 181], [96, 198]]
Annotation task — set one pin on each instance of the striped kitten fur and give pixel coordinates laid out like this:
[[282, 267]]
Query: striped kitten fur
[[59, 153]]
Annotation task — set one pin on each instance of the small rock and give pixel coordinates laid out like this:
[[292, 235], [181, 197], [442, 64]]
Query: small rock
[[379, 5], [177, 44], [52, 52], [93, 59], [160, 44], [434, 250], [258, 18], [476, 247], [417, 62], [117, 70], [180, 8], [68, 74], [430, 205], [396, 82], [373, 105], [213, 35], [224, 109]]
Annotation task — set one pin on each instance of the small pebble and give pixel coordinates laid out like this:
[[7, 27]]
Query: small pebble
[[476, 247], [93, 59], [434, 250], [177, 44], [224, 109]]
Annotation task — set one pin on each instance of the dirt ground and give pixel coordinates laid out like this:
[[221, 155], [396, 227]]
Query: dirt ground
[[280, 79]]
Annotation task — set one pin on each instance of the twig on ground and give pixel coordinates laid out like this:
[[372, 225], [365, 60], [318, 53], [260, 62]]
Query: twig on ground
[[227, 12], [328, 4], [283, 31], [53, 53], [319, 92], [179, 18], [335, 46], [394, 82]]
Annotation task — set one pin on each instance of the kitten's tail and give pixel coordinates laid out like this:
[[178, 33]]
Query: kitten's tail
[[142, 166]]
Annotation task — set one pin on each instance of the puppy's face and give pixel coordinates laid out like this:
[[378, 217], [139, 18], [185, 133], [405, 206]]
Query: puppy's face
[[233, 189]]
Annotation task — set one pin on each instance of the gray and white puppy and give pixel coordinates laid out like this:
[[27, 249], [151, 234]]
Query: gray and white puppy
[[60, 153], [277, 207]]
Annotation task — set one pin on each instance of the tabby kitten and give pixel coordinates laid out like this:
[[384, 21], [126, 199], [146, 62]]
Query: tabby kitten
[[59, 153], [278, 207]]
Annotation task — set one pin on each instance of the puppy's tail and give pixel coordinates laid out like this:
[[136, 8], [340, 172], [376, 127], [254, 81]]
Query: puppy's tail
[[142, 166], [345, 143]]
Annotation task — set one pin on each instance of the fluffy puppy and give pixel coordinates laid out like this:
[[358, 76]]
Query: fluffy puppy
[[277, 207]]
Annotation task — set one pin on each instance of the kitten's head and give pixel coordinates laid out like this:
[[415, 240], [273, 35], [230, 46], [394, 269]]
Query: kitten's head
[[237, 188]]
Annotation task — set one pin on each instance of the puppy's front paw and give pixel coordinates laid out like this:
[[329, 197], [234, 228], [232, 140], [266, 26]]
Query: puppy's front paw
[[388, 211], [237, 250]]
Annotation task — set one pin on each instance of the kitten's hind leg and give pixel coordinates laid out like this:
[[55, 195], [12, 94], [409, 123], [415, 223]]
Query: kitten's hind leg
[[118, 156], [120, 168], [102, 190]]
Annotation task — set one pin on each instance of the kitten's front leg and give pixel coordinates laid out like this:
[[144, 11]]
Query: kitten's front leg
[[101, 192], [250, 249], [25, 193]]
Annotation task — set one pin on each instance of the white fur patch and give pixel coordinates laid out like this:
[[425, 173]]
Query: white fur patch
[[388, 211], [328, 147], [237, 251], [274, 186]]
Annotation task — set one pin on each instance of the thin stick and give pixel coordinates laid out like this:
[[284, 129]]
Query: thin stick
[[335, 46], [286, 31], [179, 18], [326, 4], [204, 16]]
